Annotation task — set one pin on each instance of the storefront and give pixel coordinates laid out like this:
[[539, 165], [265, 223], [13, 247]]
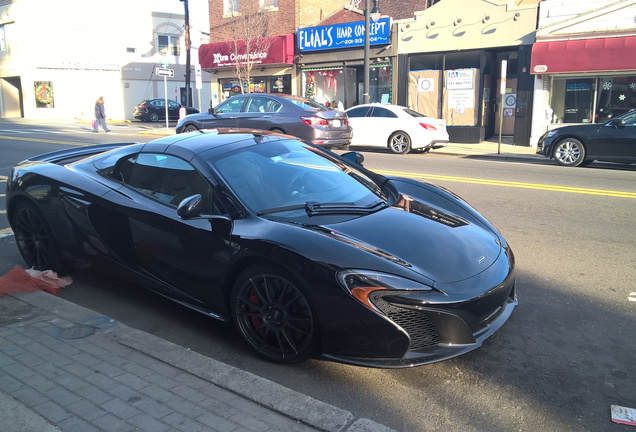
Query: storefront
[[587, 75], [451, 65], [272, 68], [589, 80], [332, 63]]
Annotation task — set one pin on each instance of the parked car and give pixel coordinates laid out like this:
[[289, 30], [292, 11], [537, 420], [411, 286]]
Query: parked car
[[306, 252], [395, 127], [153, 110], [292, 115], [582, 144]]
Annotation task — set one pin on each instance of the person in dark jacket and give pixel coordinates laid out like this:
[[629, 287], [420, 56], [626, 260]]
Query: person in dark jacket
[[100, 115]]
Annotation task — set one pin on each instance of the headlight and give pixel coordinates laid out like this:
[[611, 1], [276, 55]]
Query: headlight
[[550, 133], [361, 283]]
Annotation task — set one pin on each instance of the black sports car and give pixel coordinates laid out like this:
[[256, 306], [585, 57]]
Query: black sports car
[[307, 252], [612, 141]]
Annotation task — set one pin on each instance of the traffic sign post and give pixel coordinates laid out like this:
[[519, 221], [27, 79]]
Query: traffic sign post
[[165, 73]]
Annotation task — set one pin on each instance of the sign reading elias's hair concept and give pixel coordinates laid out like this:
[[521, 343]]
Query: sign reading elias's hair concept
[[344, 35]]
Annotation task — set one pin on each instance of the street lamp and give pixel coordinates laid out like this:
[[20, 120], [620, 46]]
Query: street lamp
[[187, 47], [375, 15]]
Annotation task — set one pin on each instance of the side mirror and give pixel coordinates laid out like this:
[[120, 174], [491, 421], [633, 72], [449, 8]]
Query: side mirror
[[190, 207], [618, 123], [354, 157]]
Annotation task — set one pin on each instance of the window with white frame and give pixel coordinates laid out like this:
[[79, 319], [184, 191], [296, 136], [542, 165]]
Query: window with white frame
[[268, 4], [168, 45], [231, 7], [3, 39]]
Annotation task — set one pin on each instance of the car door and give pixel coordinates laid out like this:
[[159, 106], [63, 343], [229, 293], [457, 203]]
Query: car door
[[173, 110], [186, 256], [617, 139], [361, 125], [259, 113], [225, 114]]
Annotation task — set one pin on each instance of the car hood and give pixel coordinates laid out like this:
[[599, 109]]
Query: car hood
[[438, 245]]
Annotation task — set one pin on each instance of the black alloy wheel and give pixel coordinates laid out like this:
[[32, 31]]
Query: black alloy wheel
[[400, 143], [153, 117], [569, 152], [273, 315], [190, 128], [34, 238]]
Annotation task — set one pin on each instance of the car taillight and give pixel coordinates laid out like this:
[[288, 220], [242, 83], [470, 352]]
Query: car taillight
[[314, 121], [428, 126], [143, 107]]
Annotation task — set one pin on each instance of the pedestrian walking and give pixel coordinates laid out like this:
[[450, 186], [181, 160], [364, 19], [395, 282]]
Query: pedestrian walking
[[100, 115]]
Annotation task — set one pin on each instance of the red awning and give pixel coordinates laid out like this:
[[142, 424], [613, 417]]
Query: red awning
[[584, 55], [220, 55]]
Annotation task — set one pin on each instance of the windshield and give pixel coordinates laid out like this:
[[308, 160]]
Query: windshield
[[281, 177]]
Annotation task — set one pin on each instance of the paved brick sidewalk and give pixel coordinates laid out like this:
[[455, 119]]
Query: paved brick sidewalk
[[64, 367]]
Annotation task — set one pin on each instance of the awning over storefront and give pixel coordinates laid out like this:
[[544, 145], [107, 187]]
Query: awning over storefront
[[221, 55], [584, 55]]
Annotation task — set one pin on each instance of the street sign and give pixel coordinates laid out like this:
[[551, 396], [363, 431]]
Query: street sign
[[164, 72]]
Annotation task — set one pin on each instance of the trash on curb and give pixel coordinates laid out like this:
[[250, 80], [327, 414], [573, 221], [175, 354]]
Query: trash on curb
[[622, 415], [20, 280]]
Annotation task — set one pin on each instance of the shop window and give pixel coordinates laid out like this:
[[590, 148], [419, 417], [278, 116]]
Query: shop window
[[572, 100], [616, 96], [168, 45]]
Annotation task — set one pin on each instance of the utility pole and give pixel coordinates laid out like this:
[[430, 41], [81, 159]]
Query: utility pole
[[187, 46]]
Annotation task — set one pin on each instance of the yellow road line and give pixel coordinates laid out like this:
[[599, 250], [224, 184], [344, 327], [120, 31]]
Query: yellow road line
[[536, 186], [5, 232], [45, 140]]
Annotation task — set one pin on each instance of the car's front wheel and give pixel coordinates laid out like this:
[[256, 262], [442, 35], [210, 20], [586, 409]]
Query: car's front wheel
[[569, 152], [190, 128], [400, 143], [273, 315], [34, 238], [153, 117]]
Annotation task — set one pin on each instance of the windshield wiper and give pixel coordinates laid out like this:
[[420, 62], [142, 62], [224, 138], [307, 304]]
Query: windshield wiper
[[313, 208]]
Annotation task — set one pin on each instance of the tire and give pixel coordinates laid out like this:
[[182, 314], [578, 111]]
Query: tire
[[569, 152], [400, 143], [273, 315], [153, 117], [34, 238], [190, 128]]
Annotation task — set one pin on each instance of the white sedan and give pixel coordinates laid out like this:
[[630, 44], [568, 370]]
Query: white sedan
[[396, 127]]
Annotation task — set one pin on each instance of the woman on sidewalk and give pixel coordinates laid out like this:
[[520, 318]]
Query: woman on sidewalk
[[100, 115]]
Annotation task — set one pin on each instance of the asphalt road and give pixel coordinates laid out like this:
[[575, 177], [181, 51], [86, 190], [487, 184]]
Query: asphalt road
[[565, 356]]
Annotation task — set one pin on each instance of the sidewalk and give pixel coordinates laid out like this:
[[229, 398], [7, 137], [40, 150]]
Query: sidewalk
[[67, 368], [491, 149]]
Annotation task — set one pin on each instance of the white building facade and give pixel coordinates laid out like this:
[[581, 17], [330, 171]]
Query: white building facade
[[57, 58]]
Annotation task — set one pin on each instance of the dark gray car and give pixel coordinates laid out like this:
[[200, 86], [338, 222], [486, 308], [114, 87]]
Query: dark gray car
[[292, 115]]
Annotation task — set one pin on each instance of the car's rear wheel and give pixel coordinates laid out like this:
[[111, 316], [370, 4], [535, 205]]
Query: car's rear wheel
[[190, 128], [153, 117], [569, 152], [400, 143], [273, 315], [34, 238]]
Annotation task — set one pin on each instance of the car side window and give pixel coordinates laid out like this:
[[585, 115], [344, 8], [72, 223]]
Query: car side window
[[165, 178], [256, 104], [159, 103], [173, 104], [382, 112], [358, 112], [232, 105]]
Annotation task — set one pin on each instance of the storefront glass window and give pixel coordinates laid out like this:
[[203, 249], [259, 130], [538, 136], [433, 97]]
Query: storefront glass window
[[380, 83], [616, 96], [573, 99], [270, 84]]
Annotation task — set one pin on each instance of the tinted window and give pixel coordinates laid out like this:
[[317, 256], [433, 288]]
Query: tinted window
[[307, 104], [358, 112], [382, 112], [173, 104], [232, 105], [162, 177], [413, 113]]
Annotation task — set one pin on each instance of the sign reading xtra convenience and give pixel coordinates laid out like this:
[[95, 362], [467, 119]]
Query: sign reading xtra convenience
[[343, 35]]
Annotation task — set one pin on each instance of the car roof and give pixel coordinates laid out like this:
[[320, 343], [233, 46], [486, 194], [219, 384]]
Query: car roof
[[209, 143]]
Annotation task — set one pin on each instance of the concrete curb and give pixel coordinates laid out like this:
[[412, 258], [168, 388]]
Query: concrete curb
[[266, 393]]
